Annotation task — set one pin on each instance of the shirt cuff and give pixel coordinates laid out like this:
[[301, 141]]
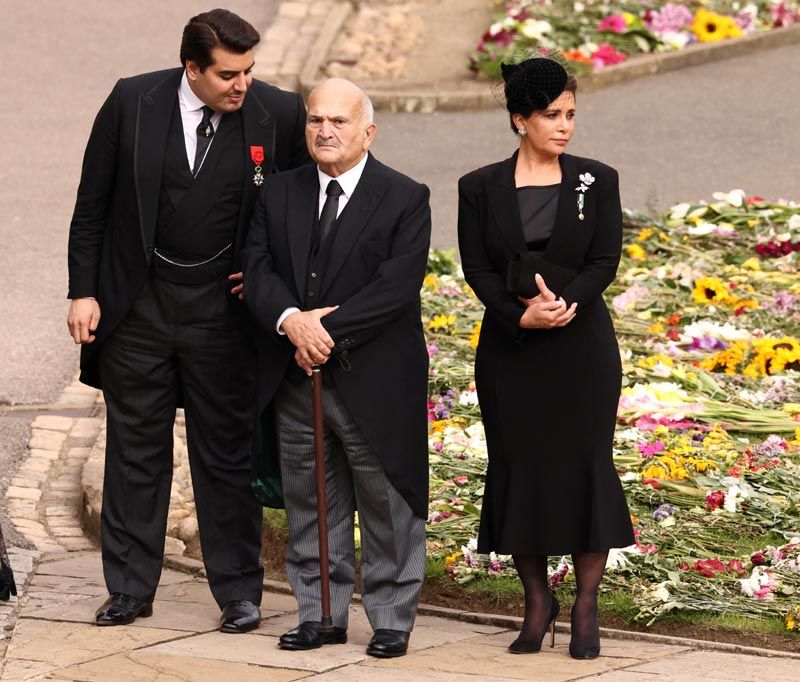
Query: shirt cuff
[[283, 316]]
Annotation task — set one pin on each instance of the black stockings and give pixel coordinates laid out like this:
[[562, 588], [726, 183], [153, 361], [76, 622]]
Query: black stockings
[[532, 571], [588, 573]]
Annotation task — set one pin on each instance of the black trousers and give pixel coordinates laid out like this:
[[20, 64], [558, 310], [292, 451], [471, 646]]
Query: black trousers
[[180, 340]]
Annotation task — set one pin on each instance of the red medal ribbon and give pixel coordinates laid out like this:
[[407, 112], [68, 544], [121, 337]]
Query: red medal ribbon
[[257, 154]]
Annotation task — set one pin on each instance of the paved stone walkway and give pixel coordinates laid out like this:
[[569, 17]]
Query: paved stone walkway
[[55, 639]]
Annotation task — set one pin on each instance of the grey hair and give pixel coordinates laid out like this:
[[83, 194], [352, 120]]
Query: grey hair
[[366, 106]]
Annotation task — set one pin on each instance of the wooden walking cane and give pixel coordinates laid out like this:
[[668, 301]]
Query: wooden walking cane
[[326, 625]]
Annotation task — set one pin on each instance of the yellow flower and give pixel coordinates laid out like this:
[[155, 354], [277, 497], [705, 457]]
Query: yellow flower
[[656, 328], [475, 335], [711, 291], [751, 264], [653, 360], [645, 234], [431, 282], [636, 252], [453, 558], [442, 322], [710, 27], [629, 18]]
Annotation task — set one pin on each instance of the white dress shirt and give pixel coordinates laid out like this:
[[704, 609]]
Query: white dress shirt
[[191, 116], [348, 182]]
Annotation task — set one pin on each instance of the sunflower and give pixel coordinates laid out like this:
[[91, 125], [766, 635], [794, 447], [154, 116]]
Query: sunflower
[[709, 27], [727, 360], [711, 291]]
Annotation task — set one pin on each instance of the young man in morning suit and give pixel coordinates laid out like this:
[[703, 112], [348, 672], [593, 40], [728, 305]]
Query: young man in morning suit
[[333, 268], [171, 172]]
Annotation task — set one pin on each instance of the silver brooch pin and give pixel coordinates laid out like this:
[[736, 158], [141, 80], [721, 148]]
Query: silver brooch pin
[[586, 180]]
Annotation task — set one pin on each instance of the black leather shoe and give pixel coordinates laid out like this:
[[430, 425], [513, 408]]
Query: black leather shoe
[[122, 609], [388, 643], [307, 636], [239, 616]]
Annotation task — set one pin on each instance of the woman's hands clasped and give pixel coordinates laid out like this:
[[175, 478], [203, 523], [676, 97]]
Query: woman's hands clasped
[[545, 311]]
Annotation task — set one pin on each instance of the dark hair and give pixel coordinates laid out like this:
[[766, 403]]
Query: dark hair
[[217, 28], [533, 84]]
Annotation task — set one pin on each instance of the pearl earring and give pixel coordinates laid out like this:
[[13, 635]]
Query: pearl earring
[[522, 131]]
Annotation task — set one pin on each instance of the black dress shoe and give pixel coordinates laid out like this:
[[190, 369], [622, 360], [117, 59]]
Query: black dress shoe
[[239, 616], [122, 609], [307, 636], [388, 643]]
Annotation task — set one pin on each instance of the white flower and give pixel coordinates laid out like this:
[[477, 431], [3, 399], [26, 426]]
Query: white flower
[[679, 211], [674, 40], [535, 29], [735, 198], [616, 558], [661, 592], [734, 495], [794, 222], [630, 476], [662, 370], [469, 397], [699, 212], [586, 178], [578, 7], [702, 228], [631, 435], [495, 28]]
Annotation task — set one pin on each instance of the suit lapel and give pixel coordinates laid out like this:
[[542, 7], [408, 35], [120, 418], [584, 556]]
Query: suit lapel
[[567, 211], [259, 131], [353, 220], [300, 219], [152, 128], [502, 195]]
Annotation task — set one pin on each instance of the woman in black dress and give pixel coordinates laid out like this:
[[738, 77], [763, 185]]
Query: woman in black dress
[[540, 236]]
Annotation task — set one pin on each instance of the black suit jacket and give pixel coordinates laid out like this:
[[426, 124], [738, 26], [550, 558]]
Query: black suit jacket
[[113, 226], [581, 257], [374, 272]]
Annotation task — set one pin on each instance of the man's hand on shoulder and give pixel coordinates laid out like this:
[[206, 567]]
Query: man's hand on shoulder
[[309, 337], [82, 319]]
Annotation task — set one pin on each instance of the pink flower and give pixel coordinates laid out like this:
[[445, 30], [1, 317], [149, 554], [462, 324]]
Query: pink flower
[[461, 480], [614, 23], [606, 55], [650, 449]]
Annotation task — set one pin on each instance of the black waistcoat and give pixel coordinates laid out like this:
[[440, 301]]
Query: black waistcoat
[[197, 217]]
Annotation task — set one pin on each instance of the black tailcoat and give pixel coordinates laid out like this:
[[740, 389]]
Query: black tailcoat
[[374, 270], [548, 397], [113, 227]]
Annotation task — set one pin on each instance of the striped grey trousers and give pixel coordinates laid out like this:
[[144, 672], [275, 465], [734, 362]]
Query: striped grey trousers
[[392, 538]]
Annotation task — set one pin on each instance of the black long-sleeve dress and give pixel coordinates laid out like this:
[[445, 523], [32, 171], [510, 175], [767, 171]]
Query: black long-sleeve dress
[[548, 398]]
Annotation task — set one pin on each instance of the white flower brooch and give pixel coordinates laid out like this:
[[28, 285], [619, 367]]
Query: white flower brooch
[[586, 181]]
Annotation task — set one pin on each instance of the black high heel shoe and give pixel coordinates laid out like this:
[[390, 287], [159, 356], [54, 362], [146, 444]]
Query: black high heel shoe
[[531, 646], [588, 648]]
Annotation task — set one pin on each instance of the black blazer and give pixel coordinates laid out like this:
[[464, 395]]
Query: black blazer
[[375, 267], [490, 237], [113, 226]]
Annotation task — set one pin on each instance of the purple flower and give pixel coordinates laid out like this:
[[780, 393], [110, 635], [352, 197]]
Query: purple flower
[[664, 511], [433, 349], [671, 17], [707, 343]]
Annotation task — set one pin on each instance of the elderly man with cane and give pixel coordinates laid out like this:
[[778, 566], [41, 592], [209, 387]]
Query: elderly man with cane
[[333, 266]]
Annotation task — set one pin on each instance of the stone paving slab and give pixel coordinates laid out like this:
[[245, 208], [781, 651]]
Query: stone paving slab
[[364, 673], [145, 666], [63, 644], [486, 655], [260, 650]]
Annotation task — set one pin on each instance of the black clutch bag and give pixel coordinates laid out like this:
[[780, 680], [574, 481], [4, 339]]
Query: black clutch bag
[[523, 266]]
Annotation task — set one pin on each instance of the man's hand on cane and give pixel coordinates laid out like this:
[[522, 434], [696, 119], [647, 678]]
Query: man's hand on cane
[[310, 338], [82, 319]]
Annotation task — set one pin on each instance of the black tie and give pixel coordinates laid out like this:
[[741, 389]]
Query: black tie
[[205, 131], [330, 210]]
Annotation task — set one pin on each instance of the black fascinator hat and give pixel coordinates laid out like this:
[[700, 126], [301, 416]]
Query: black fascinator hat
[[532, 84], [531, 79]]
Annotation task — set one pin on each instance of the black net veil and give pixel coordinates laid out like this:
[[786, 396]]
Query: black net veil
[[531, 80]]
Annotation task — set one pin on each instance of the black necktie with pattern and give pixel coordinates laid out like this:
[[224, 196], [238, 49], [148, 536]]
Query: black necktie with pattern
[[205, 131]]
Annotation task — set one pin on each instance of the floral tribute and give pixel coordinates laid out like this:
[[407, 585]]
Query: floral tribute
[[707, 444], [594, 34]]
